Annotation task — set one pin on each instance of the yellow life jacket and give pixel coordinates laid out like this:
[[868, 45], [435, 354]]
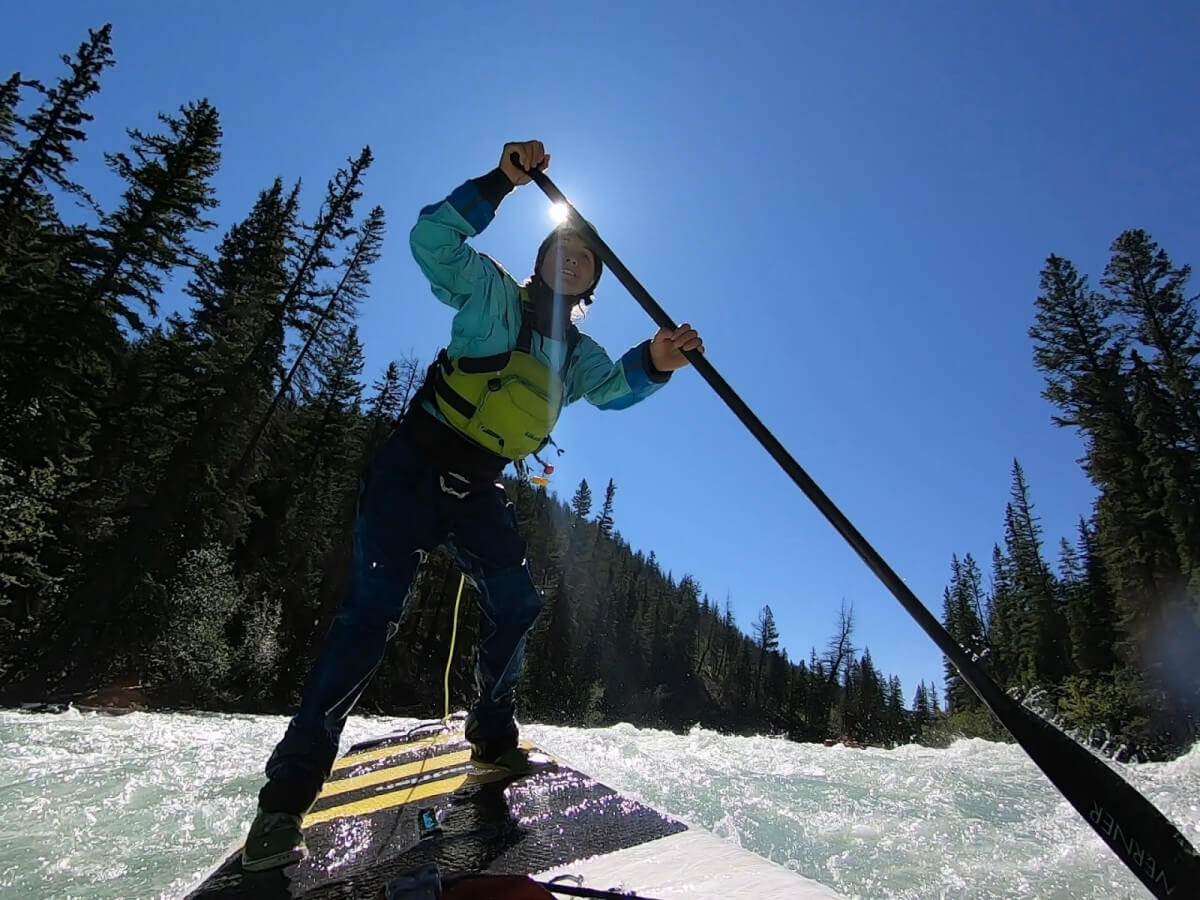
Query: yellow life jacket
[[508, 402]]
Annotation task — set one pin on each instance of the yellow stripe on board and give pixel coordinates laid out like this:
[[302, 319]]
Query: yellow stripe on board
[[387, 800], [401, 797], [383, 752], [394, 773]]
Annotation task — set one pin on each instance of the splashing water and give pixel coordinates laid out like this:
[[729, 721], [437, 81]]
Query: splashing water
[[141, 805]]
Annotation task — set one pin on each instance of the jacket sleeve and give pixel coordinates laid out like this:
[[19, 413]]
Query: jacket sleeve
[[609, 385], [458, 273]]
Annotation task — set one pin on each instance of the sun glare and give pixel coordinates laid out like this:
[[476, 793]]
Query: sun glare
[[559, 212]]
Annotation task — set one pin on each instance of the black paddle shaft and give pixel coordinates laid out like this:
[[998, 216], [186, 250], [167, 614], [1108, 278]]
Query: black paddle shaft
[[1145, 840]]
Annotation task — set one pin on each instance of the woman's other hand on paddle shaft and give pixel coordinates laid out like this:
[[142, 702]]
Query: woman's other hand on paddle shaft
[[667, 347], [530, 155]]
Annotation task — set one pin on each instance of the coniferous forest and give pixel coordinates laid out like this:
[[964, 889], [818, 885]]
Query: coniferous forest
[[177, 490]]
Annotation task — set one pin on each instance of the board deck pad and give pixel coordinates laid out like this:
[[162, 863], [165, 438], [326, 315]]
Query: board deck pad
[[394, 804]]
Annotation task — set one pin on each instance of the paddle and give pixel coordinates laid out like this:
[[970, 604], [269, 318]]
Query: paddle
[[1145, 840]]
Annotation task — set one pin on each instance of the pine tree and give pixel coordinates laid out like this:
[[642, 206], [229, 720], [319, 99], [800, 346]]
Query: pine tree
[[1044, 637], [167, 196], [1170, 476], [391, 396], [168, 193], [317, 462], [54, 128], [302, 306], [922, 714], [767, 639], [10, 96], [308, 305], [871, 702], [11, 125], [1003, 621], [895, 716], [779, 690], [605, 521], [847, 725], [1089, 604], [963, 618], [1151, 292], [230, 349], [1079, 353], [816, 710], [728, 632], [1166, 630], [839, 651], [581, 503], [710, 620], [331, 407], [45, 371], [237, 323], [1082, 355]]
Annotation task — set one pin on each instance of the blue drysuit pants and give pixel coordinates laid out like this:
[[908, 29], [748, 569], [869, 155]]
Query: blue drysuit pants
[[406, 508]]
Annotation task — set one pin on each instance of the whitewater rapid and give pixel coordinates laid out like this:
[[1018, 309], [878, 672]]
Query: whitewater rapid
[[140, 805]]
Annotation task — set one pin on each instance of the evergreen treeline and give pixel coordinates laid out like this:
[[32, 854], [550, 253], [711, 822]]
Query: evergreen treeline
[[177, 494], [1108, 637]]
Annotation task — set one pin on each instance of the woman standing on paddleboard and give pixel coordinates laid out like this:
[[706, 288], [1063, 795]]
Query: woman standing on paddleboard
[[515, 359]]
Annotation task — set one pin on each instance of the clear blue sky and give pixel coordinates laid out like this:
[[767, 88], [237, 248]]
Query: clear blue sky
[[851, 204]]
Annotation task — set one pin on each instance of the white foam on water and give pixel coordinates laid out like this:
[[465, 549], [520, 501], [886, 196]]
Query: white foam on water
[[140, 805]]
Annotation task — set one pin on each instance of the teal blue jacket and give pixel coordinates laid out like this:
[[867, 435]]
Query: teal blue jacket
[[488, 304]]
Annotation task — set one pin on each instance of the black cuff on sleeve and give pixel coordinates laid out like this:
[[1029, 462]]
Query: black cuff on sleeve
[[648, 364], [494, 186]]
